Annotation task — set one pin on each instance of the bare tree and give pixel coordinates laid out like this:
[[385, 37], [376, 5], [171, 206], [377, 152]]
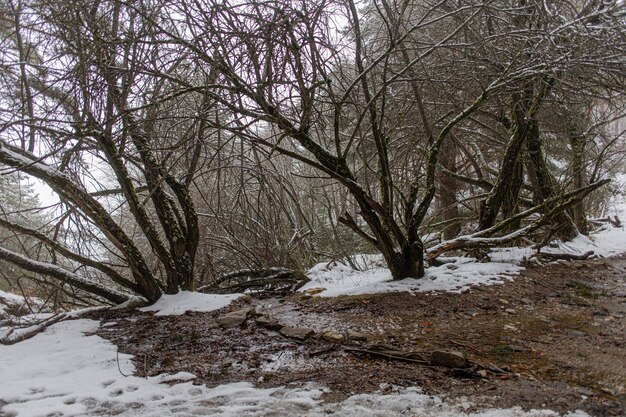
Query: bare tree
[[94, 107], [282, 118], [282, 67]]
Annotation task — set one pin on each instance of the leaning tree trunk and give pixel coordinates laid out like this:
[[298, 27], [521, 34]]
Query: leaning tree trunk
[[543, 183], [506, 179], [577, 143], [64, 275], [146, 282], [510, 204]]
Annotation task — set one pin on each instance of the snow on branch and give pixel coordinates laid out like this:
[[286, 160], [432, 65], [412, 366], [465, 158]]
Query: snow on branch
[[483, 238]]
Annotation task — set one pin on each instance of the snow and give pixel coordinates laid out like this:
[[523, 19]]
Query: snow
[[177, 304], [10, 298], [72, 372], [458, 274], [605, 242]]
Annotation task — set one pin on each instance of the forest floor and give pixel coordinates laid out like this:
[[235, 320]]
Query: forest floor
[[554, 337]]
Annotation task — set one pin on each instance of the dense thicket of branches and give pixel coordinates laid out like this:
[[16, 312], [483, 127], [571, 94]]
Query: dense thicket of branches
[[187, 139]]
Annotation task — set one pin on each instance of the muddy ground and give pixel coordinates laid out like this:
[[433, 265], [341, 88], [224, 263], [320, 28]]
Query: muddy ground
[[554, 337]]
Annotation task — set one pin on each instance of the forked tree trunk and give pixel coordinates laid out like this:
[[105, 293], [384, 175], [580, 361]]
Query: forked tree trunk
[[544, 184], [509, 171], [409, 263]]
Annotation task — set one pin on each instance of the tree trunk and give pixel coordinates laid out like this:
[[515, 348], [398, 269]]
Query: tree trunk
[[543, 183], [577, 143], [448, 186], [509, 172], [409, 263], [62, 274], [510, 206]]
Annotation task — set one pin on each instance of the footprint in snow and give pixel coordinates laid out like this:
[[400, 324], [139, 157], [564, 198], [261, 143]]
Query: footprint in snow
[[116, 393], [107, 383]]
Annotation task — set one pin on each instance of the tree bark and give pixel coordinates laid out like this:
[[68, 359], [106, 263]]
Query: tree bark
[[72, 192], [55, 271], [577, 143], [543, 183], [505, 180], [448, 187]]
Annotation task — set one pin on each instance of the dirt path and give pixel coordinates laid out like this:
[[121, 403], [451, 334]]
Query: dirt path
[[558, 332]]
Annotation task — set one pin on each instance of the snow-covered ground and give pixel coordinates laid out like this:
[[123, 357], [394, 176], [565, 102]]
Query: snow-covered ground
[[460, 273], [456, 275], [177, 304], [10, 300], [68, 371]]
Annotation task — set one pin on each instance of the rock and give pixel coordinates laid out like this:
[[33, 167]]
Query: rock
[[448, 358], [268, 323], [359, 337], [510, 311], [576, 333], [313, 291], [299, 333], [503, 301], [333, 337], [246, 298], [482, 373], [236, 318], [132, 302]]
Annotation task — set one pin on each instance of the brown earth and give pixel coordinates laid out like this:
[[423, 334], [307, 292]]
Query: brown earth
[[556, 332]]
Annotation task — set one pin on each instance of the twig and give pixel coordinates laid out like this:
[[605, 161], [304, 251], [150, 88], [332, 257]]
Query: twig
[[34, 330], [470, 347], [321, 351], [388, 356], [117, 359]]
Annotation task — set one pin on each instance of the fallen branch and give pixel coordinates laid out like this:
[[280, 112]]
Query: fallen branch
[[616, 222], [275, 278], [19, 335], [470, 347], [393, 354], [483, 239], [64, 275]]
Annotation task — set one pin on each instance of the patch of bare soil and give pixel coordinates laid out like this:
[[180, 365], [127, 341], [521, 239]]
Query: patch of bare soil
[[552, 338]]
